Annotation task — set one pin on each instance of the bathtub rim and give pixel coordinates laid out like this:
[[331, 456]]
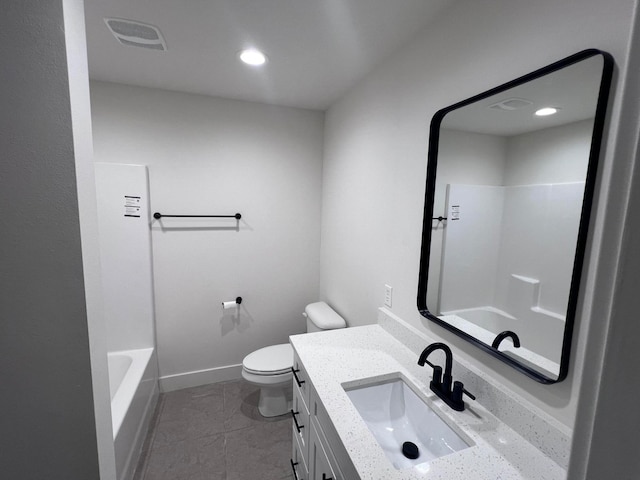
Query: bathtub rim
[[127, 389]]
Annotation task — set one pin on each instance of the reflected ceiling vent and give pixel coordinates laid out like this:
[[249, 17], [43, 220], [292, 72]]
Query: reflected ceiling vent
[[136, 34], [510, 104]]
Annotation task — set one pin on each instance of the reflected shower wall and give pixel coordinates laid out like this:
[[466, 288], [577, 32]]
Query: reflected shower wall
[[511, 250]]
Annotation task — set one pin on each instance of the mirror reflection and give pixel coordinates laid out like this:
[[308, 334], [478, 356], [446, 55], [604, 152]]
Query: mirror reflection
[[513, 187]]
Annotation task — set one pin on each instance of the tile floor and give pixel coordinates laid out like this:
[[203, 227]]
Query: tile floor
[[214, 432]]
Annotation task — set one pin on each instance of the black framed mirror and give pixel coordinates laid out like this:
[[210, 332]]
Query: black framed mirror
[[507, 205]]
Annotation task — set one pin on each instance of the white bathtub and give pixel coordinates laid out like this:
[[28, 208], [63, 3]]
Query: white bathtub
[[539, 350], [133, 382]]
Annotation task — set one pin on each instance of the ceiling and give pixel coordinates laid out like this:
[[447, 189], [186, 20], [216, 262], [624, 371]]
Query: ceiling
[[317, 49], [573, 89]]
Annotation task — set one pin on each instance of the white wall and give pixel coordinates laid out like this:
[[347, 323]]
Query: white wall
[[552, 155], [376, 151], [502, 235], [532, 214], [471, 250], [87, 209], [214, 156], [538, 240], [556, 155], [125, 252], [466, 158], [56, 421], [606, 430]]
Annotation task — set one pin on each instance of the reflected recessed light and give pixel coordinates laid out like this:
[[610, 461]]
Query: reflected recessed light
[[543, 112], [253, 57]]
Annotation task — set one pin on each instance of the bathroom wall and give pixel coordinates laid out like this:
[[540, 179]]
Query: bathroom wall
[[376, 155], [551, 155], [528, 230], [512, 248], [55, 398], [471, 247], [466, 158], [215, 156], [538, 240], [556, 155], [125, 251], [606, 432]]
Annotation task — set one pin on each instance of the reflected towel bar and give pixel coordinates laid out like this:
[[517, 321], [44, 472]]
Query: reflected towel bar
[[439, 218], [158, 216]]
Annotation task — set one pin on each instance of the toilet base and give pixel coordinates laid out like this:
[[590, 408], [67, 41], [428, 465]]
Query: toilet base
[[275, 401], [276, 392]]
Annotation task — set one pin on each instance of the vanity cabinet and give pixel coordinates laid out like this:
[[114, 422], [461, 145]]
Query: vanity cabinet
[[320, 464], [318, 453], [301, 425], [327, 362], [298, 462]]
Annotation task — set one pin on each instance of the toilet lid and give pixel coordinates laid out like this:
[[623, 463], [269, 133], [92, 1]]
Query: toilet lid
[[271, 360]]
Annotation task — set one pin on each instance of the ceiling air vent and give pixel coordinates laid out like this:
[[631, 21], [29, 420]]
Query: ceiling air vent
[[136, 34], [510, 104]]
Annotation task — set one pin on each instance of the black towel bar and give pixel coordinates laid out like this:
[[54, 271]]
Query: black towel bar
[[158, 216]]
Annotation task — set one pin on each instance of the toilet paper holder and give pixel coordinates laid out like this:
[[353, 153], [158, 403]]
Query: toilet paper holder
[[232, 303]]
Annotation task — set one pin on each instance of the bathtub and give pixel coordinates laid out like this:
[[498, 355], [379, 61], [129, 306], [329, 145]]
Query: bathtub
[[541, 345], [133, 383]]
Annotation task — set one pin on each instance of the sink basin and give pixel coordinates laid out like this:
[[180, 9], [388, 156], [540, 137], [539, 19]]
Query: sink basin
[[395, 415]]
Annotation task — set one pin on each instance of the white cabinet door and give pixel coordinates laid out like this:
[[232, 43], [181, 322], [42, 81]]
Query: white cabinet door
[[320, 468], [298, 463]]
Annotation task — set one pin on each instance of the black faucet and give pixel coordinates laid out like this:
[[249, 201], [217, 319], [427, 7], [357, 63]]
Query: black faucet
[[441, 384], [501, 336]]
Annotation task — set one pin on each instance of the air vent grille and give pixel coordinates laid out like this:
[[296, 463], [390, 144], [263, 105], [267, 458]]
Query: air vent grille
[[136, 34], [510, 104]]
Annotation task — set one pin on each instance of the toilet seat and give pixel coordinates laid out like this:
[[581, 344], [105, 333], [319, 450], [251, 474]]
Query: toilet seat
[[269, 361]]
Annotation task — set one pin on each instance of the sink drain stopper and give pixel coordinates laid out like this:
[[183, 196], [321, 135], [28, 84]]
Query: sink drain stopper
[[410, 450]]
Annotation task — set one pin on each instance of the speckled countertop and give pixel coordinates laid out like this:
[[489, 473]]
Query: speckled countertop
[[336, 357]]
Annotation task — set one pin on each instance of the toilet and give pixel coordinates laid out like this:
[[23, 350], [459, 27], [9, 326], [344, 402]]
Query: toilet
[[270, 368]]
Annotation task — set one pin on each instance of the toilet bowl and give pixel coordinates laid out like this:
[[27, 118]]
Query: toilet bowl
[[270, 368]]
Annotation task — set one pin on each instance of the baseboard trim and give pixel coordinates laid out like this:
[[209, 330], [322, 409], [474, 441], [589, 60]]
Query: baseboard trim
[[196, 378]]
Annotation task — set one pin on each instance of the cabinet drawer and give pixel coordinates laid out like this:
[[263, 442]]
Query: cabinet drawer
[[301, 423], [301, 379], [298, 461]]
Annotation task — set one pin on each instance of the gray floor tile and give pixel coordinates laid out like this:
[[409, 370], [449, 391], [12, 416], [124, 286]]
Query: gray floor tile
[[241, 406], [261, 451], [207, 400], [190, 426], [215, 432], [187, 459], [189, 414]]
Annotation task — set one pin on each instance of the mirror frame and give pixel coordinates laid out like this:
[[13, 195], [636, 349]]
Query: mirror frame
[[594, 153]]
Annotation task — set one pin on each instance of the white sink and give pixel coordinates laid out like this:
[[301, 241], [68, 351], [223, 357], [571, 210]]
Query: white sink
[[395, 414]]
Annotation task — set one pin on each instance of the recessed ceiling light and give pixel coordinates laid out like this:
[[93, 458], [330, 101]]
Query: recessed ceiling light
[[253, 57], [543, 112]]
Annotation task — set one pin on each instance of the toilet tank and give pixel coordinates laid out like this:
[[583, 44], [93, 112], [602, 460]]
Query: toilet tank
[[321, 316]]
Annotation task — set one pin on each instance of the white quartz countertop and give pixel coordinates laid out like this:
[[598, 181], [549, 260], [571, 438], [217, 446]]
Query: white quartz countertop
[[335, 357]]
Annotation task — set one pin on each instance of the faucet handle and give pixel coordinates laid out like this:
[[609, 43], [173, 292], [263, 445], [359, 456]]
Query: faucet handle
[[456, 395], [436, 379]]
